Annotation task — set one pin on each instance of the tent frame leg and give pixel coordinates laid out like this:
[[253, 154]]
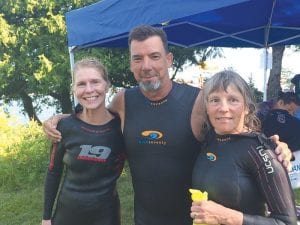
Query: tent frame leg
[[72, 62]]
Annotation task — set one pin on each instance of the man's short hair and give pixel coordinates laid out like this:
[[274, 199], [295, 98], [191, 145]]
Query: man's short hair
[[143, 32]]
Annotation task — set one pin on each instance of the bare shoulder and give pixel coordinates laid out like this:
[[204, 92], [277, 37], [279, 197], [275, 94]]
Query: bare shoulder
[[196, 118], [118, 102], [117, 105]]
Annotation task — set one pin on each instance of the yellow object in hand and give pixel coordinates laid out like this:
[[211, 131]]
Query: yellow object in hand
[[198, 195]]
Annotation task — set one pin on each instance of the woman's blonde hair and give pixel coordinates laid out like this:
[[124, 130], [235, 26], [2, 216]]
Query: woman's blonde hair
[[92, 63]]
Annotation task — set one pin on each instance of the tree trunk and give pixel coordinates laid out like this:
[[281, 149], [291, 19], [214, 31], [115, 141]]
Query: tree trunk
[[66, 103], [273, 86], [28, 107], [64, 99]]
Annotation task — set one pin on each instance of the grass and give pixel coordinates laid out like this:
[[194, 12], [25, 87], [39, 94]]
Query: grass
[[297, 195], [24, 155], [24, 207], [126, 197]]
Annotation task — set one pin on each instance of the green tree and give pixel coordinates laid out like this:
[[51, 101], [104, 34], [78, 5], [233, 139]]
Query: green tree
[[117, 61], [258, 95], [34, 63], [34, 58], [192, 56]]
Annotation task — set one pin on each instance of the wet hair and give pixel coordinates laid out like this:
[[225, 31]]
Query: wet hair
[[92, 63], [143, 32], [220, 82], [288, 97]]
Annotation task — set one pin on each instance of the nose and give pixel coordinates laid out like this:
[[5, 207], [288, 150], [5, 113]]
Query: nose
[[89, 87], [224, 106], [146, 65]]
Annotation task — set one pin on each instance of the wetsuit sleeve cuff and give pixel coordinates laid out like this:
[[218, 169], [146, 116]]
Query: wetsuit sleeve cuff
[[46, 216], [248, 220], [293, 157]]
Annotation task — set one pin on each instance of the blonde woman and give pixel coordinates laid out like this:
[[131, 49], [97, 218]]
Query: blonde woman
[[91, 152]]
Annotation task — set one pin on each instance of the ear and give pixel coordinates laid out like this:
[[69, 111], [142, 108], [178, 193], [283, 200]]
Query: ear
[[246, 111], [170, 59], [72, 89], [108, 85], [280, 103]]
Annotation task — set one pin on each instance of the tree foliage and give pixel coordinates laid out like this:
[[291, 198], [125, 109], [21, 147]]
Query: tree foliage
[[34, 60], [192, 56], [258, 95]]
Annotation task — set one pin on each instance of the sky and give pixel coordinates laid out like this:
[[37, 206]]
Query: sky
[[247, 62]]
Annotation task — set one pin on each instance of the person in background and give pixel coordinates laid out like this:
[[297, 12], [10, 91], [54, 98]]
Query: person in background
[[263, 108], [296, 81], [91, 151], [280, 120], [236, 165], [160, 121]]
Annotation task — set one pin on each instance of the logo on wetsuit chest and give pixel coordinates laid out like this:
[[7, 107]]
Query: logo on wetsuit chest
[[266, 159], [152, 137], [94, 153], [211, 156]]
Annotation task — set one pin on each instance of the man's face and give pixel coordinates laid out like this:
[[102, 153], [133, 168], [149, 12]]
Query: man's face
[[149, 63]]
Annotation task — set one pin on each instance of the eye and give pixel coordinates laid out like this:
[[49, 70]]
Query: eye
[[95, 82], [233, 100], [213, 100], [136, 59], [155, 57], [80, 84]]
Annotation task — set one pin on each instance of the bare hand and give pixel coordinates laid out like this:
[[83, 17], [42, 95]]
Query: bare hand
[[210, 212], [46, 222], [284, 154], [49, 127]]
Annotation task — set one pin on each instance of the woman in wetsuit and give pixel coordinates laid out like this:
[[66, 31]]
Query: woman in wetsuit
[[280, 120], [245, 183], [91, 152]]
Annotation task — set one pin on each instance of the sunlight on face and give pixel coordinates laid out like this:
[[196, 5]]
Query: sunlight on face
[[226, 111], [149, 63], [90, 88]]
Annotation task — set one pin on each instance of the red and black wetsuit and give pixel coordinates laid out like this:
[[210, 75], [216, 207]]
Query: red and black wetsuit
[[161, 151], [242, 173], [93, 157]]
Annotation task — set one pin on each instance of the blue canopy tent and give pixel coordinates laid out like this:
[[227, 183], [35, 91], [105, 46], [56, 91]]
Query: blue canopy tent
[[189, 23]]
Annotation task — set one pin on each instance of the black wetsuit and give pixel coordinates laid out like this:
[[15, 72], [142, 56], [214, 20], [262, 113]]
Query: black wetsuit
[[280, 122], [93, 157], [161, 151], [241, 173]]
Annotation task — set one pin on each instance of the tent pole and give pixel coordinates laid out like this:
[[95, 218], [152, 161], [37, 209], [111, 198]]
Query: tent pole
[[266, 66], [71, 56]]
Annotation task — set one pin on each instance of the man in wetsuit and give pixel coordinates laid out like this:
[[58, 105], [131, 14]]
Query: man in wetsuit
[[159, 131], [160, 125]]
